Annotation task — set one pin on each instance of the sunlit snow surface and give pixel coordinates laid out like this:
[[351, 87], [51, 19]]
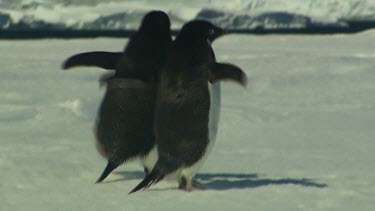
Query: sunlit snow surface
[[300, 137]]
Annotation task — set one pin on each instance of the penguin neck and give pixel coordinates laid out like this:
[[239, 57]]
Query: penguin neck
[[191, 40], [155, 33]]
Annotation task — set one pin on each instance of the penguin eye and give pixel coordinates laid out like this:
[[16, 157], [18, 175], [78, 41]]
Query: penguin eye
[[211, 31]]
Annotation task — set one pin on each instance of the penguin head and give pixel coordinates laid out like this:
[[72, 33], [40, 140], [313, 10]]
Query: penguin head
[[201, 29], [156, 22]]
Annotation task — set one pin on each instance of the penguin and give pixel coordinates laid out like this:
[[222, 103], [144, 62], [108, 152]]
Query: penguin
[[182, 115], [124, 125]]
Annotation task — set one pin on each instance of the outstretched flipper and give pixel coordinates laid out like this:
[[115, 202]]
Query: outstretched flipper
[[102, 59], [108, 169], [226, 71]]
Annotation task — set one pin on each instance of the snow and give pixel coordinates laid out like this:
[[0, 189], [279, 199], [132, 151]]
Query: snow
[[123, 14], [300, 137]]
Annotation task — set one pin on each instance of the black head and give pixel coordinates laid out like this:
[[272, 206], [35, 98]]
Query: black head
[[200, 29], [156, 22]]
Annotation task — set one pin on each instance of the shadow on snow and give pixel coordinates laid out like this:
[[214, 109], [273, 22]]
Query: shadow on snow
[[240, 181], [226, 181]]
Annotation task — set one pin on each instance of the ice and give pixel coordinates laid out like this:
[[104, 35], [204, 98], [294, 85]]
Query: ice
[[300, 137]]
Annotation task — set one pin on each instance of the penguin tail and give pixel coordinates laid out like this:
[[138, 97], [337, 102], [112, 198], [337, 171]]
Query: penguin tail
[[162, 168], [152, 178], [108, 169]]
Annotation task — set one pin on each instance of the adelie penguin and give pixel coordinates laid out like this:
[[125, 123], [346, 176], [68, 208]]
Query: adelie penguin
[[124, 126], [182, 115]]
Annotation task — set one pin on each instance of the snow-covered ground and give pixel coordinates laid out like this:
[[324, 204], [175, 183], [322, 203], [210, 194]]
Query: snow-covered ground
[[300, 137]]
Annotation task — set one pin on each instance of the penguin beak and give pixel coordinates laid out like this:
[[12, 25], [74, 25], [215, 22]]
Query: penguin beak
[[223, 32], [218, 33]]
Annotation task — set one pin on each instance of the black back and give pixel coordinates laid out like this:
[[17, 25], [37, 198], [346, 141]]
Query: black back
[[124, 127], [144, 55], [183, 102], [125, 120]]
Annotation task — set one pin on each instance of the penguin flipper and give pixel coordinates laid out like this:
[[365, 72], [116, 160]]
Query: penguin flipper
[[108, 169], [102, 59], [226, 71]]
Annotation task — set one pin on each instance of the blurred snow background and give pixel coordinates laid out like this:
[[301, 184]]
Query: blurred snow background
[[300, 137], [234, 14]]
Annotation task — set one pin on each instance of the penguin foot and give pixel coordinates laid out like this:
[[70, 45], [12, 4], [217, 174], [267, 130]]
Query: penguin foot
[[189, 185]]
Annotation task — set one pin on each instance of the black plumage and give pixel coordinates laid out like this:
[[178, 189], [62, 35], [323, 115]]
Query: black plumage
[[183, 103], [124, 127]]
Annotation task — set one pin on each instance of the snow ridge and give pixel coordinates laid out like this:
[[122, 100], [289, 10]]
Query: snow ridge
[[238, 14]]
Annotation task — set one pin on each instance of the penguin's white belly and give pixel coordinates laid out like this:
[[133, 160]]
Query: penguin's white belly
[[214, 115], [150, 160], [215, 92]]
